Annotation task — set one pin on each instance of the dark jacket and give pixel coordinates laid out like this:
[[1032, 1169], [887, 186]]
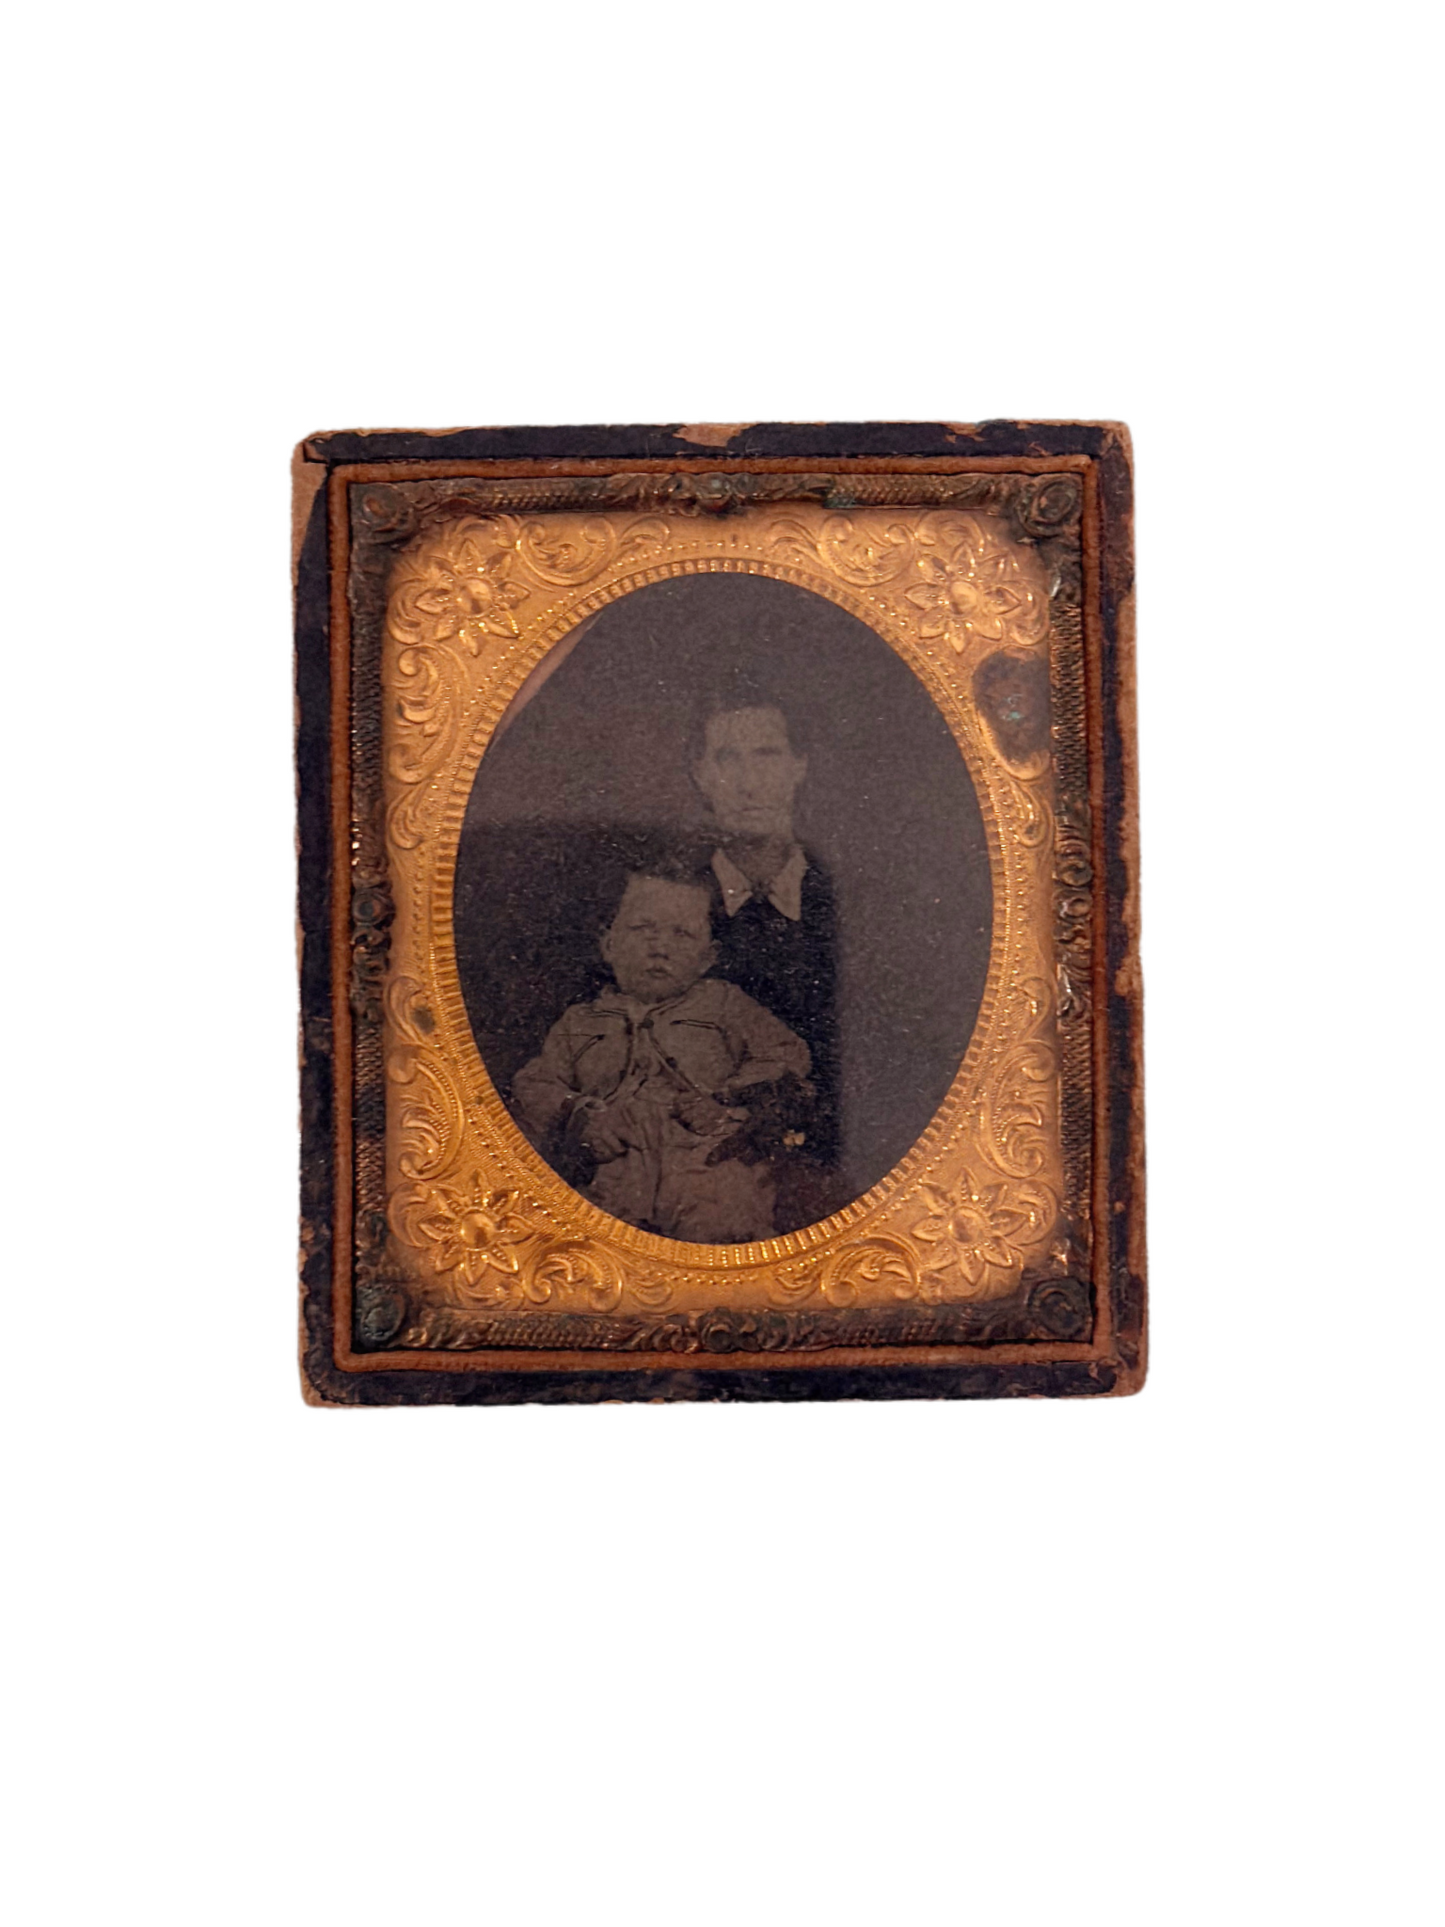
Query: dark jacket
[[791, 968]]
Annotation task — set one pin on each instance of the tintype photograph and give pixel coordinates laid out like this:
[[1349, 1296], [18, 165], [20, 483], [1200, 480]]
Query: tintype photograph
[[723, 908], [718, 876]]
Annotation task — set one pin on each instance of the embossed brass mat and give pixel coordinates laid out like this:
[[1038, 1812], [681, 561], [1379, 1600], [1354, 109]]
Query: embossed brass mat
[[450, 592]]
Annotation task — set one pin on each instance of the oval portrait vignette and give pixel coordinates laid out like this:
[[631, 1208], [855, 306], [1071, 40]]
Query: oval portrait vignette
[[722, 908]]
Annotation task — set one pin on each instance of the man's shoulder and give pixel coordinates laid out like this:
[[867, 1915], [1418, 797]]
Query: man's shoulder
[[816, 895]]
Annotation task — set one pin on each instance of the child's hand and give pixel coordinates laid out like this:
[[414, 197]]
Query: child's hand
[[601, 1131], [704, 1115]]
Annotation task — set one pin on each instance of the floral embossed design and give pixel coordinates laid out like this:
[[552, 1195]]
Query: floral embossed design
[[977, 1225], [861, 1268], [586, 549], [1017, 1099], [865, 555], [568, 558], [451, 592], [474, 1231], [574, 1269], [977, 590], [466, 594], [982, 591]]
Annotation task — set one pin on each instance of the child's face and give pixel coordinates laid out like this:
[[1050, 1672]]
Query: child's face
[[660, 941]]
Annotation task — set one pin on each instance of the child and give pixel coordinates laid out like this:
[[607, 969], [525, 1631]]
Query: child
[[653, 1077]]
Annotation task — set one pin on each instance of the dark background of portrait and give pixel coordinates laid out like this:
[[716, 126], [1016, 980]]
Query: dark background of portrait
[[591, 764]]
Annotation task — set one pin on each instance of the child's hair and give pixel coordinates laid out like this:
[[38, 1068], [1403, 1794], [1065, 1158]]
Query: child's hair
[[674, 868]]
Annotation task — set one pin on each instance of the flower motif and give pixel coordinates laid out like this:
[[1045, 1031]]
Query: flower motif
[[474, 1231], [971, 1226], [983, 591], [467, 595]]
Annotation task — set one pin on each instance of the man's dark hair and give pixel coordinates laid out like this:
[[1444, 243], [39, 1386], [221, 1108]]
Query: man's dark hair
[[724, 699]]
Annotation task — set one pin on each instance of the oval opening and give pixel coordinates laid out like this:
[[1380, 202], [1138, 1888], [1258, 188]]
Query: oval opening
[[764, 762]]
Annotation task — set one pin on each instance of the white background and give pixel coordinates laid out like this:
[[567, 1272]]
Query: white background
[[1155, 1660]]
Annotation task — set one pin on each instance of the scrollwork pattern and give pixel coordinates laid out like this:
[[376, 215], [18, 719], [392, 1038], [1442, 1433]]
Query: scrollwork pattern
[[579, 552], [863, 551], [860, 1270], [430, 1115], [452, 594], [1050, 1309], [1019, 1094], [1031, 820], [475, 599]]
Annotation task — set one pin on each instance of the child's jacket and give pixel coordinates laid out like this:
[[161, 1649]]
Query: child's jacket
[[640, 1061], [712, 1039]]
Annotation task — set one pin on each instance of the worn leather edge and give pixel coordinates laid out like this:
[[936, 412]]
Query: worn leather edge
[[1107, 445]]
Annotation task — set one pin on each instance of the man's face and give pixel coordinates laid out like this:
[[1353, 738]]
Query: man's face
[[660, 941], [749, 772]]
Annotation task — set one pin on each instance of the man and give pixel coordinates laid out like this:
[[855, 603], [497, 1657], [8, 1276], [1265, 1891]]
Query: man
[[777, 936]]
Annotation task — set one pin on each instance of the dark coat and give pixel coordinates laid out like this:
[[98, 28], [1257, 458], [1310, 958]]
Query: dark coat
[[791, 969]]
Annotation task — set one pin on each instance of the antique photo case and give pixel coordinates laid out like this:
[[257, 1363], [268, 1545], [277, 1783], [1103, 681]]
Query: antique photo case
[[718, 914]]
